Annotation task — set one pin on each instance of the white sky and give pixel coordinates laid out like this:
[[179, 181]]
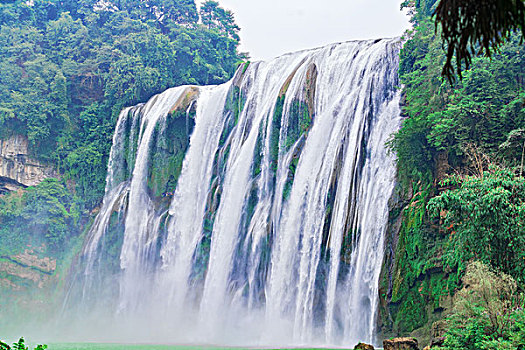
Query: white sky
[[270, 28]]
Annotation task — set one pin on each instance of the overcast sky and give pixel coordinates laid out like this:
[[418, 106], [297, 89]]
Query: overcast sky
[[270, 28]]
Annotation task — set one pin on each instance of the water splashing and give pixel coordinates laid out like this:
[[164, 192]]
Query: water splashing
[[273, 229]]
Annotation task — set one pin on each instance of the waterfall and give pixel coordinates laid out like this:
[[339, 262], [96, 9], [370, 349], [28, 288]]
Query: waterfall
[[254, 212]]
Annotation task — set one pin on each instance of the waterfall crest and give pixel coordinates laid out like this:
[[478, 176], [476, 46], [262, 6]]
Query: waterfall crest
[[253, 212]]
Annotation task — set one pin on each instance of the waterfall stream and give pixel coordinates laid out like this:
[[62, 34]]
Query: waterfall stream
[[267, 227]]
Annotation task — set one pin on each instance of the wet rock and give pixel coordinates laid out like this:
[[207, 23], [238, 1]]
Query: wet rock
[[4, 282], [25, 269], [30, 259], [13, 269], [186, 100], [363, 346], [400, 344]]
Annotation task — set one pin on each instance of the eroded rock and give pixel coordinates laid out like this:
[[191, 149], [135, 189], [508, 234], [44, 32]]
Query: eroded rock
[[26, 267], [363, 346], [403, 343], [18, 168], [13, 269], [29, 259]]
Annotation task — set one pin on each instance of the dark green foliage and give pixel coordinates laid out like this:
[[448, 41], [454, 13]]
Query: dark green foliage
[[412, 312], [485, 217], [482, 109], [4, 346], [216, 18], [485, 106], [419, 281], [68, 67], [275, 132], [289, 180], [472, 27], [455, 129], [170, 144], [257, 156], [487, 314], [298, 123], [46, 213], [419, 10], [20, 345]]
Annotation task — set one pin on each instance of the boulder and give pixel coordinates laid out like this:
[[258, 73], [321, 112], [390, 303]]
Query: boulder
[[400, 344], [363, 346]]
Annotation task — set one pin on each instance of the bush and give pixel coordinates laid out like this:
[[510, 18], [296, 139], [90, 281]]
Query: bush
[[20, 345], [488, 312], [47, 213], [484, 216]]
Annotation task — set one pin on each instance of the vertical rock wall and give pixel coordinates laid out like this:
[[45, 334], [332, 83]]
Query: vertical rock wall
[[17, 168]]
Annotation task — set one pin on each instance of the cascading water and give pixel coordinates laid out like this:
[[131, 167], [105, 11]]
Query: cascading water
[[269, 230]]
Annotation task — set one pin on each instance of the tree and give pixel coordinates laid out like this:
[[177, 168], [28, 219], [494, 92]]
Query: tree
[[63, 62], [215, 17], [4, 346], [487, 312], [20, 345], [485, 217], [476, 27]]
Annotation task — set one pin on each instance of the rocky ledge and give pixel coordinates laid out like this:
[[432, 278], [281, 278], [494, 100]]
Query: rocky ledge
[[17, 168], [400, 344], [26, 269]]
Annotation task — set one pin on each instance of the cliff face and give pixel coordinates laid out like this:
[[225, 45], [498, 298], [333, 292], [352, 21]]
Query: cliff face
[[27, 270], [28, 286], [416, 288], [17, 168]]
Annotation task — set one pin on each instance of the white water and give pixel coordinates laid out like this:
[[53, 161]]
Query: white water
[[248, 251]]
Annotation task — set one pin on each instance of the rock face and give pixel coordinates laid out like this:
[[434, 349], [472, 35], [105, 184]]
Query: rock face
[[17, 168], [363, 346], [26, 269], [400, 344]]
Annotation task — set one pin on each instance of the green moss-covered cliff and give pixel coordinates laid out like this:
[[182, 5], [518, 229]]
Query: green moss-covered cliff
[[460, 193]]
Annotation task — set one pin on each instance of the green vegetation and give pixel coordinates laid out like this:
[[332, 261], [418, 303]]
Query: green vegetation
[[488, 312], [460, 167], [170, 144], [20, 345], [44, 214], [472, 26], [483, 109], [485, 217], [67, 69]]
